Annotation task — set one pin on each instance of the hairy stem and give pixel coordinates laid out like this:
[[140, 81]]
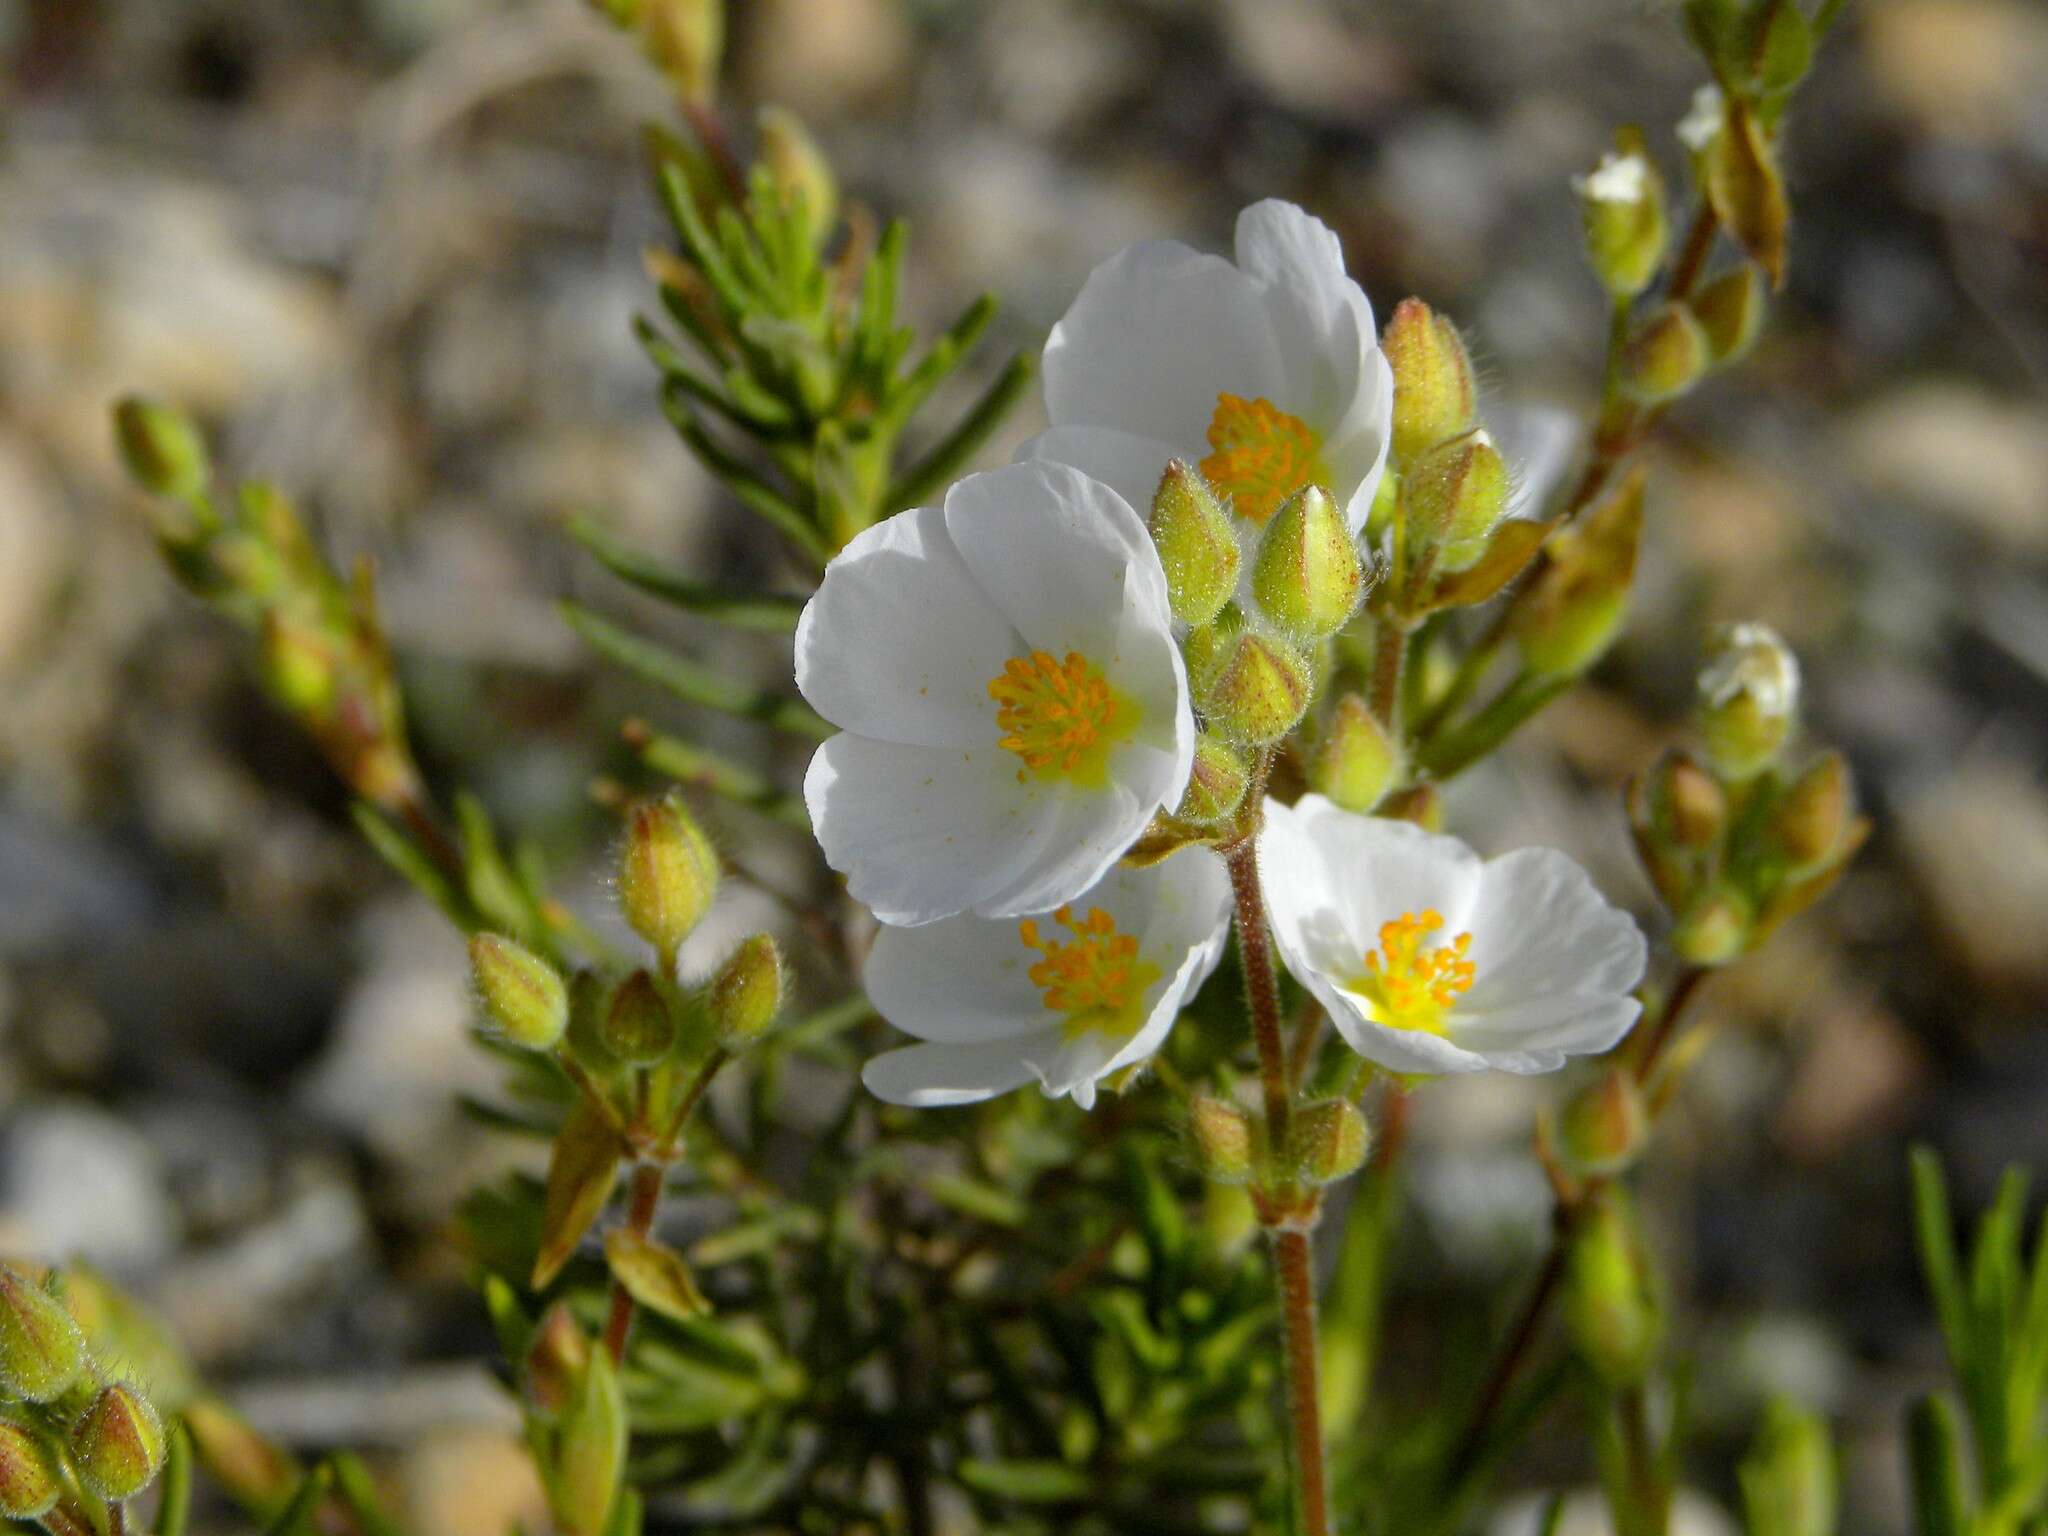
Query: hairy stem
[[1261, 985], [1292, 1269], [642, 1204], [1389, 653]]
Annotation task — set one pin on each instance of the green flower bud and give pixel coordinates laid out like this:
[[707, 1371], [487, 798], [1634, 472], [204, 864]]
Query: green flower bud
[[1622, 204], [1225, 1141], [1610, 1302], [118, 1445], [639, 1027], [1327, 1141], [523, 996], [1196, 543], [1434, 397], [589, 1452], [1748, 699], [1666, 355], [298, 664], [556, 1360], [1453, 496], [1257, 689], [1307, 574], [1788, 1478], [1812, 819], [41, 1349], [1713, 930], [1603, 1125], [746, 995], [29, 1482], [1690, 805], [1216, 785], [1564, 620], [668, 875], [1731, 310], [799, 169], [164, 452], [686, 38], [1355, 763]]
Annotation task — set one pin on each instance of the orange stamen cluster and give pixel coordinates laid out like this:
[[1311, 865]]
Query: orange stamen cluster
[[1262, 455], [1095, 972], [1053, 714], [1411, 987]]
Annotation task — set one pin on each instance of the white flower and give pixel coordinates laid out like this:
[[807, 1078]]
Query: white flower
[[1011, 704], [1266, 374], [1701, 125], [1432, 961], [1064, 1000], [1625, 179]]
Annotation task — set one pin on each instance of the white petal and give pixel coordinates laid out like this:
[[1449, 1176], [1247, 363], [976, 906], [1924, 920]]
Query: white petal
[[1156, 334], [1128, 464], [1356, 451], [1376, 870], [924, 832], [1190, 918], [1085, 834], [1397, 1050], [962, 980], [932, 1076], [900, 641], [1547, 1030], [1541, 929], [1538, 444], [1320, 317]]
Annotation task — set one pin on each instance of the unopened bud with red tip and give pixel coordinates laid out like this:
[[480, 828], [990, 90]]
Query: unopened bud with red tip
[[1197, 545], [668, 874], [1434, 396], [639, 1027], [1355, 762], [1622, 204], [556, 1360], [798, 168], [523, 996], [746, 995], [1666, 355], [1610, 1300], [1452, 497], [1327, 1141], [118, 1444], [1564, 620], [1216, 783], [1812, 819], [1713, 930], [1748, 699], [1731, 310], [1308, 575], [1603, 1125], [1224, 1139], [29, 1480], [1255, 687], [42, 1351], [164, 452]]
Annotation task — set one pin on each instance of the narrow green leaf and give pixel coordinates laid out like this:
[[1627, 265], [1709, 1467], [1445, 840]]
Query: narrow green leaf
[[581, 1173], [941, 359], [1938, 1254], [653, 1274], [944, 460], [1553, 1516], [405, 856], [766, 612], [690, 680], [703, 769], [296, 1519], [754, 493], [1028, 1482], [1349, 1335], [176, 1509], [1939, 1498], [352, 1481]]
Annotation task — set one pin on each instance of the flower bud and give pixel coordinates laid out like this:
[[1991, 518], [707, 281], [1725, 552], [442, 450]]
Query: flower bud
[[1708, 114], [28, 1474], [746, 995], [639, 1027], [1714, 930], [589, 1452], [522, 994], [1216, 784], [1307, 574], [1749, 699], [1666, 355], [1327, 1141], [1420, 805], [1224, 1138], [298, 664], [1453, 495], [1690, 807], [1257, 689], [799, 169], [1196, 543], [1731, 310], [555, 1360], [1434, 396], [1812, 818], [1603, 1125], [164, 452], [1788, 1478], [118, 1445], [1622, 204], [1565, 619], [41, 1349], [668, 875], [1355, 763], [1610, 1305], [687, 39]]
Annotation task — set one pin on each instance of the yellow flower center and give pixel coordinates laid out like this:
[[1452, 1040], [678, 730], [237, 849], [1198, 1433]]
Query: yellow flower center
[[1093, 977], [1262, 455], [1060, 717], [1411, 987]]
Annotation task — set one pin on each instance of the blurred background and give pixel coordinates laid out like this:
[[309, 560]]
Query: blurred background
[[389, 251]]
